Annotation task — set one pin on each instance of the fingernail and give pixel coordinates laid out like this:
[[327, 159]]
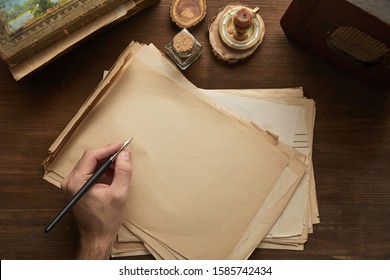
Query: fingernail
[[125, 155]]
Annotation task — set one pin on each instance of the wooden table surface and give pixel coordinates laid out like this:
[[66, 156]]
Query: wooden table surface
[[351, 153]]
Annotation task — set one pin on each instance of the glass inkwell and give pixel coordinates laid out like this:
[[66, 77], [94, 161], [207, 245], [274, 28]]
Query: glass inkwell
[[183, 49]]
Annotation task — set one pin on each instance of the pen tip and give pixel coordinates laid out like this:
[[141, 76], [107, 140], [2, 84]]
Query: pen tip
[[128, 142]]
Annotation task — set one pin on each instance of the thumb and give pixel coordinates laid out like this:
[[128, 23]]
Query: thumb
[[123, 170]]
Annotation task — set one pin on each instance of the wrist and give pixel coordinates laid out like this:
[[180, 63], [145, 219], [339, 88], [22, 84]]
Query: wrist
[[93, 248]]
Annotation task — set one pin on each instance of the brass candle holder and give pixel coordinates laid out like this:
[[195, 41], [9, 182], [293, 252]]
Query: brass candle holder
[[236, 32], [239, 28]]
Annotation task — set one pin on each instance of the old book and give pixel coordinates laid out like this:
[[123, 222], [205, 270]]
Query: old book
[[48, 28]]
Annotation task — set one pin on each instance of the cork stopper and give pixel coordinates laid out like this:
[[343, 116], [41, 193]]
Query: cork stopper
[[183, 42]]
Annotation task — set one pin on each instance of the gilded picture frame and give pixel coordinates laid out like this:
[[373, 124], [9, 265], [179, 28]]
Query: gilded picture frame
[[28, 26]]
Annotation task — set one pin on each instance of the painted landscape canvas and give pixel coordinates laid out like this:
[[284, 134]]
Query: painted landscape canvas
[[17, 14], [29, 26]]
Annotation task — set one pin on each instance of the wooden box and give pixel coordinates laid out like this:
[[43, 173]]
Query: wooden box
[[353, 35]]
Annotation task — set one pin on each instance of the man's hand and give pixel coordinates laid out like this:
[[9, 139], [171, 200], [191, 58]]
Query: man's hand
[[99, 213]]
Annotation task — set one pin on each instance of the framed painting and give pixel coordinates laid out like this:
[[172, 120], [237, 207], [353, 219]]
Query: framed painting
[[29, 26]]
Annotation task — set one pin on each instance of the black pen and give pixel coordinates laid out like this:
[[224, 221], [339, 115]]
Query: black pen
[[98, 173]]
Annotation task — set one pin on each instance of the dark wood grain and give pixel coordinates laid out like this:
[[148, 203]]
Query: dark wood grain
[[351, 153]]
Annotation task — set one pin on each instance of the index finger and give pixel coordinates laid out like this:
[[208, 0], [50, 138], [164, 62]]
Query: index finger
[[91, 158]]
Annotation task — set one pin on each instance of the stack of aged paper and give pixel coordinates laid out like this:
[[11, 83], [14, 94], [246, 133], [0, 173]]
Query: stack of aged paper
[[216, 173]]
